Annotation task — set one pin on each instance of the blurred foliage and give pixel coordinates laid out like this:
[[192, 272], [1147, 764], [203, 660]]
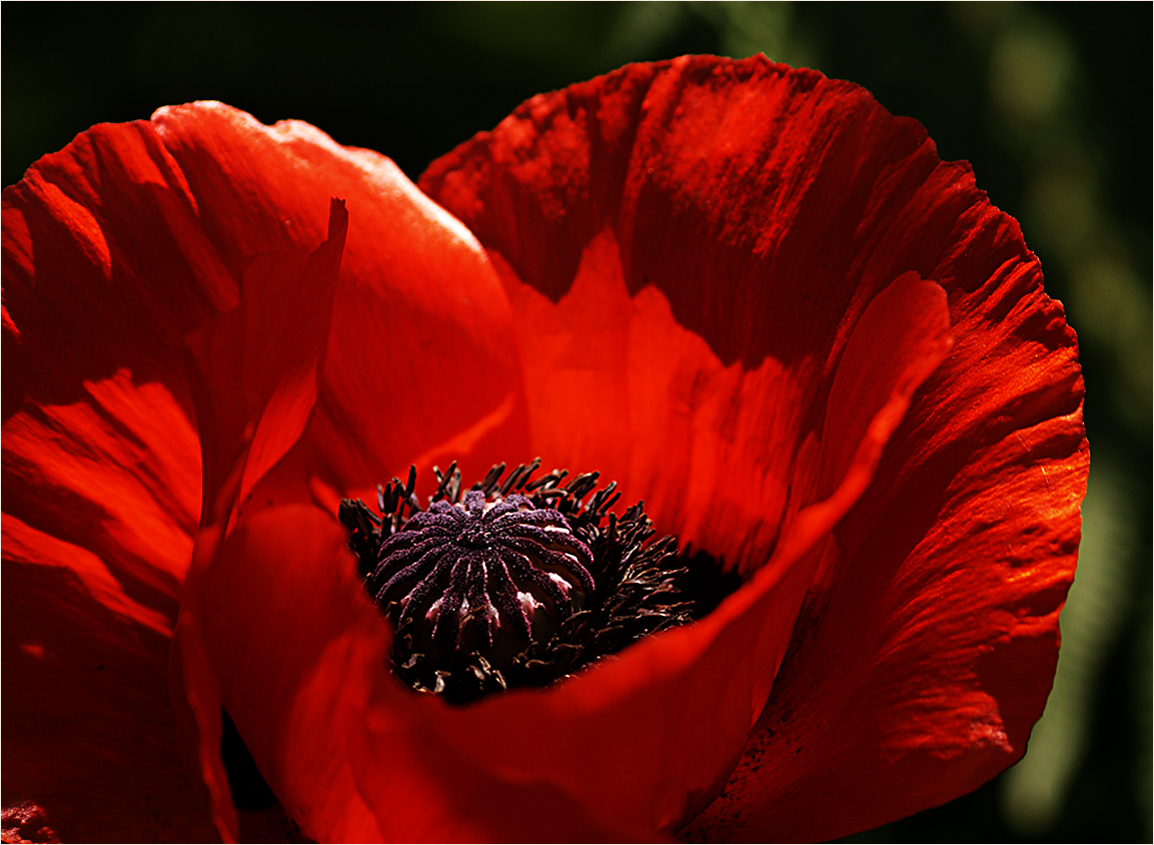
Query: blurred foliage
[[1050, 102]]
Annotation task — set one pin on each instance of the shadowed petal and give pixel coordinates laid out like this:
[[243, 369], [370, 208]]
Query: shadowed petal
[[105, 267], [927, 645], [88, 731], [719, 257]]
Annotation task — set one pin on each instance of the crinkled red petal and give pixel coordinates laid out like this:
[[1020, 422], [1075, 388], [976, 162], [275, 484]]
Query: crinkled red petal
[[927, 645], [105, 267], [688, 246], [695, 249]]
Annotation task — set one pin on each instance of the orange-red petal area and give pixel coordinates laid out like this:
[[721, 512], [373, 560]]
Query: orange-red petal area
[[711, 262]]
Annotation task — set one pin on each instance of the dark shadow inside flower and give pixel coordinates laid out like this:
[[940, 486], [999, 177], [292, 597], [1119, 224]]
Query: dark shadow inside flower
[[706, 582], [260, 815], [250, 791]]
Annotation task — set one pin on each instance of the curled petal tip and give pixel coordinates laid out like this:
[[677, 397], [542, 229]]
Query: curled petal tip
[[338, 218]]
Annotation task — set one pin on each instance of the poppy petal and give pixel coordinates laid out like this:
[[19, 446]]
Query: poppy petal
[[106, 266], [765, 208], [101, 479], [87, 728], [139, 236], [255, 379], [926, 648], [689, 246], [415, 367], [99, 450], [101, 499], [419, 363]]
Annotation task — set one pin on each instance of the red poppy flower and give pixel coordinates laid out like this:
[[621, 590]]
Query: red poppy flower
[[747, 293]]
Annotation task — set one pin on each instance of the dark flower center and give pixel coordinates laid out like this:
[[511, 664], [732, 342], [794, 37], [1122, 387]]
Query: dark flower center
[[518, 583], [481, 565]]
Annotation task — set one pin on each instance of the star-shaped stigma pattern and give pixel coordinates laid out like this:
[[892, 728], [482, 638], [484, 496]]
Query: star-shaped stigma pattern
[[477, 565]]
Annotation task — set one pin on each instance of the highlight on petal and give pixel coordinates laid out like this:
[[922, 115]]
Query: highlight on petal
[[724, 260], [419, 344]]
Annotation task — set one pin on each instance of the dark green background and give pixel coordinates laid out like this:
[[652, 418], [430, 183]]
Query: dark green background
[[1051, 104]]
